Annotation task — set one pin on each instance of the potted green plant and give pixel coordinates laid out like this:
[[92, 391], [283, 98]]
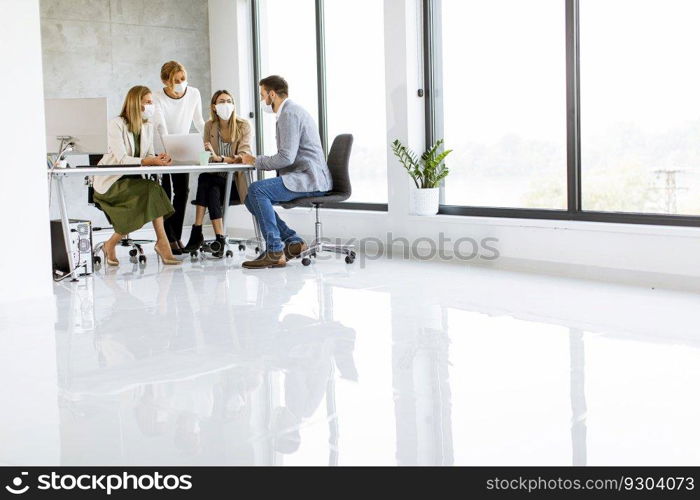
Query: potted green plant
[[427, 173]]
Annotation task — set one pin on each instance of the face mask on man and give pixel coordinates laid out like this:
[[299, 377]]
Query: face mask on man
[[148, 111], [267, 108], [181, 87], [224, 110]]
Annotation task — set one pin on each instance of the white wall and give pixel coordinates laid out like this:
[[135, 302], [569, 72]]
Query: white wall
[[230, 35], [664, 256], [29, 415], [25, 260], [102, 48]]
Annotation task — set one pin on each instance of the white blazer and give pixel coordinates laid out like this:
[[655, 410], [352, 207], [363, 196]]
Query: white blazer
[[120, 151]]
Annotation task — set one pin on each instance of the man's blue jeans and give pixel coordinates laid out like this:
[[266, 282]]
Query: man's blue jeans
[[261, 196]]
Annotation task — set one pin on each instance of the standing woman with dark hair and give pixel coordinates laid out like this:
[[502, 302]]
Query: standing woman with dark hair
[[227, 136], [132, 201], [178, 106]]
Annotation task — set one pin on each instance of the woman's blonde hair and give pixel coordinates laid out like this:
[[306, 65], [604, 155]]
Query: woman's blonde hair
[[169, 70], [131, 110], [235, 123]]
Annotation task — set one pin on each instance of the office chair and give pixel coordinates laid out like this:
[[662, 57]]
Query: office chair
[[338, 164], [136, 253], [213, 246]]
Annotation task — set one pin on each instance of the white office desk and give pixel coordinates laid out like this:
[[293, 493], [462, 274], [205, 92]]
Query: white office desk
[[58, 174]]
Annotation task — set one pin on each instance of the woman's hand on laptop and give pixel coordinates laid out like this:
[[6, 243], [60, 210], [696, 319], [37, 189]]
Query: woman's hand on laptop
[[162, 160]]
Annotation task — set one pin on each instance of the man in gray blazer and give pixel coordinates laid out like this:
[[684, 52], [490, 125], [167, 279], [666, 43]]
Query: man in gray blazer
[[302, 171]]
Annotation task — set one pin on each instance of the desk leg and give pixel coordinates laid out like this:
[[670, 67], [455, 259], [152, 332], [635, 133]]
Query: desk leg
[[65, 223], [227, 197], [260, 241]]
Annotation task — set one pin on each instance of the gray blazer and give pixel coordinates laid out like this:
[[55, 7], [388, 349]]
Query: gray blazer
[[299, 159]]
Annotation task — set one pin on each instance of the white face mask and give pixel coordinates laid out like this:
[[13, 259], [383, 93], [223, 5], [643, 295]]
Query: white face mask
[[224, 110], [148, 111], [181, 87], [267, 108]]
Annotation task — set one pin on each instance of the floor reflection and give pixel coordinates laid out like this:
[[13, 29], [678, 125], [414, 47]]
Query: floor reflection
[[578, 398], [180, 375], [422, 390], [400, 364]]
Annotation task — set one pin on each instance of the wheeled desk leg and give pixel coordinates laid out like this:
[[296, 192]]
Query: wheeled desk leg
[[65, 223], [259, 242]]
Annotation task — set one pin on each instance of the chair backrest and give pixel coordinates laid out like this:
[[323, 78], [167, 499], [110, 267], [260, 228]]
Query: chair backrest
[[93, 160], [339, 164]]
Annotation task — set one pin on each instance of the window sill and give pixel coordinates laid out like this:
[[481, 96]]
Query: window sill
[[606, 227]]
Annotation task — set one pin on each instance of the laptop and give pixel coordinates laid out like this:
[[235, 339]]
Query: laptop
[[184, 149]]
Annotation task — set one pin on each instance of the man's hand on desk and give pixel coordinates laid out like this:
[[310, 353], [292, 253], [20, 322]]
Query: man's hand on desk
[[162, 160], [232, 160], [247, 159]]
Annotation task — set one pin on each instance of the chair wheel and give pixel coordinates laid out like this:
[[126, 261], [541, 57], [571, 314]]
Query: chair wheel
[[133, 252], [349, 259], [257, 249], [142, 259], [306, 261], [229, 254], [241, 248], [353, 255], [97, 260], [193, 254]]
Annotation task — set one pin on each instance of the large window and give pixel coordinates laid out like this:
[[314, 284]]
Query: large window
[[288, 48], [640, 106], [356, 90], [314, 45], [566, 109], [504, 101]]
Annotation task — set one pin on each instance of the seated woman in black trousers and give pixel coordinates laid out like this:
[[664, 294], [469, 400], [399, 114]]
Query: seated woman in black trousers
[[226, 136]]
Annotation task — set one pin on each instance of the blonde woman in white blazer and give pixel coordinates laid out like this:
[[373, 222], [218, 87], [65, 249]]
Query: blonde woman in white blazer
[[131, 201]]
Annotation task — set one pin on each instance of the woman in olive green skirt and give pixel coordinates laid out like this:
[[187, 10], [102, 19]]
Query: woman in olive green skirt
[[132, 201]]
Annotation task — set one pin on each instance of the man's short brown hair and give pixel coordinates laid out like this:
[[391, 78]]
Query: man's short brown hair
[[276, 84]]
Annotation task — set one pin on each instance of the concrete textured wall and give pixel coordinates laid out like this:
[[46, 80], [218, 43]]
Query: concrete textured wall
[[101, 48]]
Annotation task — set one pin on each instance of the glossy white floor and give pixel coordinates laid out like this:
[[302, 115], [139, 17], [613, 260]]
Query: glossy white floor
[[383, 362]]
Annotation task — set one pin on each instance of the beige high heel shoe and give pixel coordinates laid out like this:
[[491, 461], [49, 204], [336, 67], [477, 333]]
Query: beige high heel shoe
[[110, 262], [167, 261]]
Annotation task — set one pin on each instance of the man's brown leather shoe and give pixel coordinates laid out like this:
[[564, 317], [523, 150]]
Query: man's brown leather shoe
[[294, 249], [268, 259]]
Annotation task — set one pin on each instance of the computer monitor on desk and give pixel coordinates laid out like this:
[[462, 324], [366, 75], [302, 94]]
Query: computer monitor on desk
[[84, 121]]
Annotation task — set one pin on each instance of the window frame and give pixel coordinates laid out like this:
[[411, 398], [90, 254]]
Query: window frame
[[432, 40]]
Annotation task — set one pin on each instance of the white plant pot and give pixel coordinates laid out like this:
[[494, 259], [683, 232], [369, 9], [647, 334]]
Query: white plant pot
[[425, 201]]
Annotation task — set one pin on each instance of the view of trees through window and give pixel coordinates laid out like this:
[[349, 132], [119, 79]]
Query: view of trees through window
[[504, 98], [504, 81], [640, 106]]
